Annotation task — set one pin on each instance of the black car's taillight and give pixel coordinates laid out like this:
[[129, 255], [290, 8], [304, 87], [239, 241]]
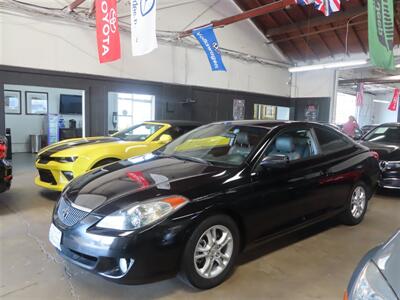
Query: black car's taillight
[[3, 151]]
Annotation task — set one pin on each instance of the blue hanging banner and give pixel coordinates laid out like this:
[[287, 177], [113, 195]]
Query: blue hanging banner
[[208, 41]]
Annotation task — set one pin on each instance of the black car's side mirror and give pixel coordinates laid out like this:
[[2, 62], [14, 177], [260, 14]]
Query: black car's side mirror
[[275, 161]]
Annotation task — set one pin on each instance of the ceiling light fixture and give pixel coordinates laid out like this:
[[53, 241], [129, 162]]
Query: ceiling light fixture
[[338, 64], [381, 101]]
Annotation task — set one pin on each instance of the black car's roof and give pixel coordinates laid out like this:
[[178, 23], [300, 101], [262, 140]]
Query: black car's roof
[[263, 123], [177, 122], [391, 124]]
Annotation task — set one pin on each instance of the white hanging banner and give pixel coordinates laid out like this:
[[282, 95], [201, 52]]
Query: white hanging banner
[[143, 26]]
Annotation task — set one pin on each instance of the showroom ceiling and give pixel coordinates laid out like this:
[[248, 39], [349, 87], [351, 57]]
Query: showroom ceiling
[[303, 33], [376, 81]]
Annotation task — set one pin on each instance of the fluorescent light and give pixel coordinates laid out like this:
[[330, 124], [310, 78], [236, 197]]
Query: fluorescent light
[[338, 64], [381, 101]]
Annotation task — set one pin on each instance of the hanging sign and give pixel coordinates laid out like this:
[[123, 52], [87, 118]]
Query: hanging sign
[[143, 26], [395, 100], [108, 39], [208, 41], [381, 33]]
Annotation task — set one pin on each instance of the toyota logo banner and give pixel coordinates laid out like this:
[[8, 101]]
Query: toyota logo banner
[[143, 26], [108, 39]]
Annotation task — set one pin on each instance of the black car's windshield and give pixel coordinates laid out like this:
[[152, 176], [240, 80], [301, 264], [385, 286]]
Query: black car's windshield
[[223, 143], [384, 134], [138, 133]]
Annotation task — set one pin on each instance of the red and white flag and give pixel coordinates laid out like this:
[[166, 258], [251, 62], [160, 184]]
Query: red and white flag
[[395, 100], [108, 39], [360, 95]]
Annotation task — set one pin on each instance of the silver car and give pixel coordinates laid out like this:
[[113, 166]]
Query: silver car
[[377, 276]]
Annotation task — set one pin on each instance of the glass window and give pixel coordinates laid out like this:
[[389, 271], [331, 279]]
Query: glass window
[[264, 112], [138, 133], [330, 141], [295, 144], [36, 103], [384, 134], [221, 143], [134, 109], [125, 107]]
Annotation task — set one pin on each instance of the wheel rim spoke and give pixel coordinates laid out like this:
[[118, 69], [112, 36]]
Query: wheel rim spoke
[[213, 251], [358, 201], [198, 256]]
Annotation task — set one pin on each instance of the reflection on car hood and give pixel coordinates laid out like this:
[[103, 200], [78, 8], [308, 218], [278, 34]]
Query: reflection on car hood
[[387, 258], [142, 178], [385, 151]]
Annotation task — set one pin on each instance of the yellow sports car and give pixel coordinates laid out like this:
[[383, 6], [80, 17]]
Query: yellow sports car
[[59, 163]]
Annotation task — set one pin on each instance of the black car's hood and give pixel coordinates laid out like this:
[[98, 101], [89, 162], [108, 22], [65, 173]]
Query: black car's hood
[[127, 181], [386, 151]]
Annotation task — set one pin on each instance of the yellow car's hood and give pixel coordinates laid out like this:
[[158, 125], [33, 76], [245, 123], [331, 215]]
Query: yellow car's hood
[[73, 145]]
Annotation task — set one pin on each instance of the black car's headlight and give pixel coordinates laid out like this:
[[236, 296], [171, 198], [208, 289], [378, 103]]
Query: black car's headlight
[[65, 159], [142, 214], [370, 284]]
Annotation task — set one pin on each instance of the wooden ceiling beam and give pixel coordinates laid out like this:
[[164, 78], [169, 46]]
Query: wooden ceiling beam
[[248, 14], [338, 17], [304, 39], [261, 26], [316, 32], [319, 36], [75, 4], [382, 80]]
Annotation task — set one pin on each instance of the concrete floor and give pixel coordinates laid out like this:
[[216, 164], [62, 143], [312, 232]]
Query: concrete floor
[[313, 264]]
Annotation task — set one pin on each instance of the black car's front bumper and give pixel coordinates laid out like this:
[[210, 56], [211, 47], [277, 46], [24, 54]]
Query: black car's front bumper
[[150, 255], [5, 175], [390, 175]]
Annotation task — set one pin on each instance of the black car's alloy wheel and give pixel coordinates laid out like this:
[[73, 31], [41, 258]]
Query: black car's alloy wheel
[[356, 205], [211, 252]]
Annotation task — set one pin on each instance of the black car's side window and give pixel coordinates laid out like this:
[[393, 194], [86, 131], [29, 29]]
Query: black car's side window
[[295, 144], [330, 141]]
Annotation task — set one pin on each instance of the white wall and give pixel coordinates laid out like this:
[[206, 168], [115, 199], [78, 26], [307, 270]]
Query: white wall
[[319, 83], [23, 125], [43, 43]]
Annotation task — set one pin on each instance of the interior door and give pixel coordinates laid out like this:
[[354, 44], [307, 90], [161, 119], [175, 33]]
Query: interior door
[[283, 194]]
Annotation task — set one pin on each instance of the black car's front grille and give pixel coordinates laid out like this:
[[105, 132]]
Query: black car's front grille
[[47, 176], [68, 214]]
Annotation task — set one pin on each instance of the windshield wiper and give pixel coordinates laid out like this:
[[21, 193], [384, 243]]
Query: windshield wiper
[[195, 159]]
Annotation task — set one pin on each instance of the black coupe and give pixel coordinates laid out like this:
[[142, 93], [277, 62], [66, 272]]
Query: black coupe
[[192, 206], [385, 140], [5, 166]]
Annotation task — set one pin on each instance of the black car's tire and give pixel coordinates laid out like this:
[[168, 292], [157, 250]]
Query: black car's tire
[[356, 206], [104, 162], [191, 271]]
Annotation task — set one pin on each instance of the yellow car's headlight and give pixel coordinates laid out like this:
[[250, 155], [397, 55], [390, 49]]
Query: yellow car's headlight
[[65, 159]]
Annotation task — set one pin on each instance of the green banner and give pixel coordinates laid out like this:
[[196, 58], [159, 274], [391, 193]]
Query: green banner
[[381, 33]]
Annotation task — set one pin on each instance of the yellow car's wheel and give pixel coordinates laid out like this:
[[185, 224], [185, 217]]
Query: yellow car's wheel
[[104, 162]]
